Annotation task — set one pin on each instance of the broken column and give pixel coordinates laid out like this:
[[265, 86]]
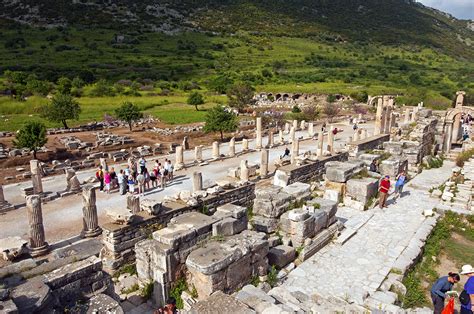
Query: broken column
[[245, 145], [197, 181], [4, 205], [310, 129], [457, 118], [295, 124], [292, 134], [232, 147], [73, 184], [356, 136], [363, 134], [215, 150], [331, 140], [179, 163], [198, 153], [295, 147], [89, 210], [264, 162], [38, 245], [244, 171], [321, 143], [103, 163], [271, 141], [185, 143], [36, 177], [133, 203], [281, 139], [303, 125], [379, 117], [287, 128], [388, 116], [258, 140]]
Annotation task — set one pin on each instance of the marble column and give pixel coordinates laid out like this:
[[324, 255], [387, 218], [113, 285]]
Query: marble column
[[244, 171], [449, 136], [363, 134], [388, 120], [185, 143], [36, 177], [281, 139], [258, 140], [133, 203], [303, 125], [356, 137], [72, 181], [232, 147], [407, 115], [287, 128], [271, 140], [295, 125], [295, 147], [310, 129], [292, 134], [197, 181], [89, 211], [460, 99], [393, 120], [321, 143], [198, 153], [215, 150], [378, 116], [456, 128], [330, 146], [103, 163], [414, 114], [37, 243], [264, 162], [245, 145], [179, 163], [4, 205]]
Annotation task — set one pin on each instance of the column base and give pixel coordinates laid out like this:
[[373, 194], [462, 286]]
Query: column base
[[92, 233], [39, 251]]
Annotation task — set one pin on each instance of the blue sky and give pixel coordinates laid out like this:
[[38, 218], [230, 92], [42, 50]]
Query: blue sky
[[463, 9]]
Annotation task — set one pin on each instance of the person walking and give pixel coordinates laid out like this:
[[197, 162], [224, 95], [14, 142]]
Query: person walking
[[100, 176], [163, 176], [383, 191], [141, 183], [142, 163], [122, 182], [439, 289], [147, 179], [400, 183], [153, 177], [107, 181], [131, 184], [113, 178], [467, 297]]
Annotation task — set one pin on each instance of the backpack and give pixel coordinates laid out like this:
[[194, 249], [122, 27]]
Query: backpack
[[464, 297]]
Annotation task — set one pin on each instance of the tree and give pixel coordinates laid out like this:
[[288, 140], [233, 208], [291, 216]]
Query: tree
[[295, 109], [32, 135], [195, 99], [129, 113], [63, 107], [64, 85], [331, 110], [311, 112], [240, 95], [220, 119]]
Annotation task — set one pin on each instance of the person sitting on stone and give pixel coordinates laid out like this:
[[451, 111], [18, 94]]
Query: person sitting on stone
[[373, 166], [169, 308], [286, 153]]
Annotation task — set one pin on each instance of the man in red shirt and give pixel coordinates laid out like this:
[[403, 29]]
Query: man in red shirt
[[383, 191]]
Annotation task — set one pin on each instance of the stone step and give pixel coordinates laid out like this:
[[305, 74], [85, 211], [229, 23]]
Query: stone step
[[345, 236]]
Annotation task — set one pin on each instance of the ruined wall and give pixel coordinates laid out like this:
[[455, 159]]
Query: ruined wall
[[369, 143], [120, 240], [311, 171]]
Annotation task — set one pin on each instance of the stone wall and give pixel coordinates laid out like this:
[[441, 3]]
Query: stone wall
[[120, 240], [373, 142]]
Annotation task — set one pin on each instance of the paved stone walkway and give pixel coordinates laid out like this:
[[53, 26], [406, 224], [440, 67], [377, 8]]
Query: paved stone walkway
[[357, 268]]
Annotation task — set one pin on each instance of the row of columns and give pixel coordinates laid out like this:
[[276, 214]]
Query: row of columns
[[384, 116]]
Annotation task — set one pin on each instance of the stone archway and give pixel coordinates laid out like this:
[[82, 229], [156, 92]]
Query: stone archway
[[452, 124]]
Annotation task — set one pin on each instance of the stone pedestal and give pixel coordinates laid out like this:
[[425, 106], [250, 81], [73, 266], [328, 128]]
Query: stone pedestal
[[185, 143], [198, 153], [133, 203], [244, 171], [89, 210], [36, 174], [264, 162], [310, 129], [232, 147], [37, 243], [271, 140], [295, 125], [331, 140], [215, 150], [295, 147], [320, 144], [197, 181], [303, 125], [281, 139], [363, 134], [287, 128], [379, 117], [292, 134], [245, 145], [258, 139], [4, 205], [407, 116], [179, 155], [355, 137]]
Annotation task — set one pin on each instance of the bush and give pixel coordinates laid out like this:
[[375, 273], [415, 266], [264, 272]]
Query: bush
[[463, 157]]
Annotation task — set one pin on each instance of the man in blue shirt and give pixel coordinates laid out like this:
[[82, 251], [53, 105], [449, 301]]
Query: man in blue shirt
[[440, 287], [468, 308]]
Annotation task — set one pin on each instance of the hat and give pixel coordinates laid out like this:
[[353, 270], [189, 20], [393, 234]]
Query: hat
[[467, 269]]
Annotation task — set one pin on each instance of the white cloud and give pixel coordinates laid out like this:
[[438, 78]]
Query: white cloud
[[463, 9]]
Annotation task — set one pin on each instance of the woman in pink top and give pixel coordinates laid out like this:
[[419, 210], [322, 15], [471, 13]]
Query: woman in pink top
[[107, 181]]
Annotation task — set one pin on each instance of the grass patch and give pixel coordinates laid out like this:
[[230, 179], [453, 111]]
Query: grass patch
[[130, 269], [133, 288], [463, 157], [147, 291]]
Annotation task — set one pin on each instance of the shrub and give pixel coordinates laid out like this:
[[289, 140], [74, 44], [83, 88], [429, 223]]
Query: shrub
[[463, 157]]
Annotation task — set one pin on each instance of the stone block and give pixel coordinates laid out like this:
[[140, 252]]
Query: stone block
[[281, 178], [219, 301], [298, 190], [264, 224], [393, 166], [8, 307], [229, 226], [239, 273], [368, 158], [281, 255], [362, 189], [235, 211], [324, 204], [341, 171], [332, 195], [212, 258]]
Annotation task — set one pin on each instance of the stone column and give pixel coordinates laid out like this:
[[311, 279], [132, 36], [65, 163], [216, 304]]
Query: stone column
[[245, 145], [264, 162], [133, 203], [103, 163], [460, 99], [379, 116], [388, 120], [295, 124], [349, 140], [197, 181], [89, 211], [292, 134], [287, 128], [414, 114], [271, 140], [356, 135], [198, 153], [456, 128], [185, 143], [244, 171], [407, 115], [281, 139], [179, 163], [36, 177], [232, 147], [295, 148], [363, 134], [303, 125], [393, 121], [311, 129], [331, 141], [215, 150], [321, 143], [258, 140], [449, 136], [38, 245]]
